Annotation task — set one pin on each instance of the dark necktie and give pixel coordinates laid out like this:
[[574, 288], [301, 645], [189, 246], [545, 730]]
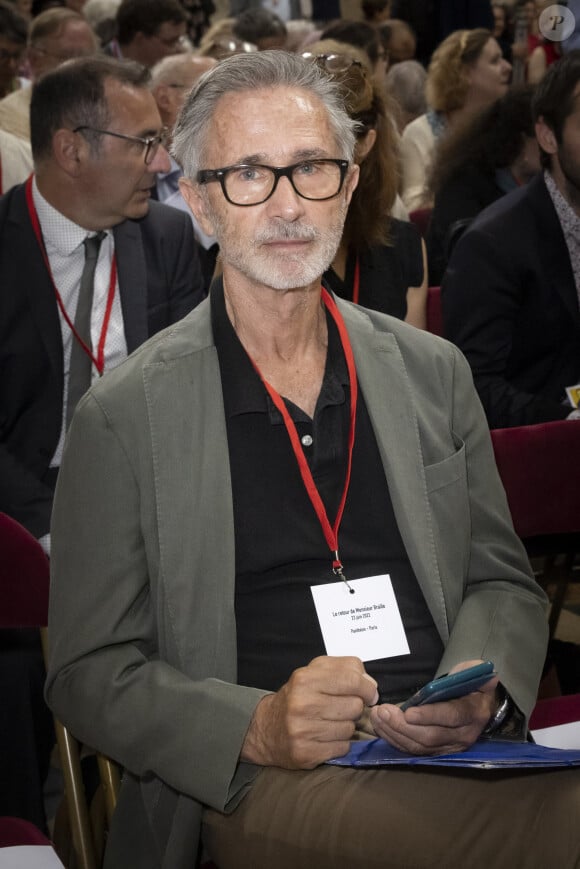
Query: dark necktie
[[80, 362]]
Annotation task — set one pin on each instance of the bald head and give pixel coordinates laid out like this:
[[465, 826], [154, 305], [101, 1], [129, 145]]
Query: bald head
[[171, 80]]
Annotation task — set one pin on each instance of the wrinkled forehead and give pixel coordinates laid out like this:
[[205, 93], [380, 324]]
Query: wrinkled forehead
[[273, 125]]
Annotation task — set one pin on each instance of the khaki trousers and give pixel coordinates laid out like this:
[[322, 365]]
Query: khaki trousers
[[344, 818]]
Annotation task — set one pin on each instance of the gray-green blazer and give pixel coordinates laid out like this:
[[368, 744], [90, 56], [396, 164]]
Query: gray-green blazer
[[142, 627]]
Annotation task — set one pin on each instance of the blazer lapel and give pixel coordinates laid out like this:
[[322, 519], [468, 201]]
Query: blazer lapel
[[192, 481], [387, 389], [132, 277]]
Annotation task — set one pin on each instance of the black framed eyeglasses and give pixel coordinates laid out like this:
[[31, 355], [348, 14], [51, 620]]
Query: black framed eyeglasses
[[254, 183], [151, 144]]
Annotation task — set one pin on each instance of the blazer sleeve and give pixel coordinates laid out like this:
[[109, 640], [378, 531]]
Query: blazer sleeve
[[502, 615], [108, 678]]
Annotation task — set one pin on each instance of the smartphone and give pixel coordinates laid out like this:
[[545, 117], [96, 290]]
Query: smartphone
[[452, 685]]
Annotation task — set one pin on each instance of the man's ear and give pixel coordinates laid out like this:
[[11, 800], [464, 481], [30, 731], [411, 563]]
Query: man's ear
[[546, 137], [69, 150], [351, 181], [197, 202]]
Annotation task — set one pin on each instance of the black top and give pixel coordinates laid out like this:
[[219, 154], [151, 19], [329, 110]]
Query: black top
[[386, 272], [280, 547]]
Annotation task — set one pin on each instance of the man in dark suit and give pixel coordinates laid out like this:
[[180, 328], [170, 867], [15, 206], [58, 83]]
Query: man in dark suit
[[85, 182], [147, 276], [510, 294]]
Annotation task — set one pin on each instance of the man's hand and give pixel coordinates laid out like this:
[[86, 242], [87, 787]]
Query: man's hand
[[438, 728], [312, 717]]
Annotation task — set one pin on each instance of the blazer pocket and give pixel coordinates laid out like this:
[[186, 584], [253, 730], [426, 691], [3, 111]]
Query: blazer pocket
[[450, 470], [448, 496]]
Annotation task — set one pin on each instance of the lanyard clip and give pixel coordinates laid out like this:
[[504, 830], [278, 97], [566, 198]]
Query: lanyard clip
[[337, 570]]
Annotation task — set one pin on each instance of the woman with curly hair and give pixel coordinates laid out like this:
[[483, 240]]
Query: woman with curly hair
[[381, 261], [476, 164], [467, 73]]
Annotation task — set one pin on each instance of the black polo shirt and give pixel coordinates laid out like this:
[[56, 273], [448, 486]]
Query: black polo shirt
[[280, 547]]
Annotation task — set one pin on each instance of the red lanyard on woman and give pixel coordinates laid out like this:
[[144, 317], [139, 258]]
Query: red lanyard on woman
[[99, 359], [330, 531]]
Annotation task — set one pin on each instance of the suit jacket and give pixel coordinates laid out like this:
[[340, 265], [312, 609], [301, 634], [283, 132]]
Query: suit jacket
[[510, 304], [159, 282], [148, 674]]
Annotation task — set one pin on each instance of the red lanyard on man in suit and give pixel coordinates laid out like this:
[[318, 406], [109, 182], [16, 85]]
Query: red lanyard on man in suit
[[98, 360]]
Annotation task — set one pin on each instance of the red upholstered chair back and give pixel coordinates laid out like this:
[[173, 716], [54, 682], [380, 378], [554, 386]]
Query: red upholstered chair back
[[555, 710], [24, 577], [434, 316], [538, 465], [17, 831], [421, 217]]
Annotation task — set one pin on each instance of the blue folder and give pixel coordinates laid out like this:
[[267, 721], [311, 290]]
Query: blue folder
[[485, 754]]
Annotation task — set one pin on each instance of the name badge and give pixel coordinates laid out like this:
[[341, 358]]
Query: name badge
[[573, 393], [364, 622]]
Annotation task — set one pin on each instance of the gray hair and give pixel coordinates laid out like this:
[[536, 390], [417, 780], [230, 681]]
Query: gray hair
[[250, 72], [406, 82]]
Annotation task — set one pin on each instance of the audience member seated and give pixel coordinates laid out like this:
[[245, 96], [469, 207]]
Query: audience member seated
[[13, 31], [171, 80], [261, 27], [510, 294], [219, 41], [376, 11], [93, 174], [406, 85], [541, 52], [299, 32], [55, 35], [466, 74], [502, 30], [364, 36], [399, 40], [149, 30], [15, 161], [199, 14], [380, 262], [203, 665], [102, 16], [490, 155]]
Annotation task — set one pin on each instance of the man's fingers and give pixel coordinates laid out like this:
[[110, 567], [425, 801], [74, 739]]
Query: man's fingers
[[338, 676]]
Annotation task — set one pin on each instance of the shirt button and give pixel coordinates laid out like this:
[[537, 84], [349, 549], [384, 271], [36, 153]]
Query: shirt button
[[306, 440]]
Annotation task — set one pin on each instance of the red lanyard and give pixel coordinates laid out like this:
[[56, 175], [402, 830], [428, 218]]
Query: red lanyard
[[99, 359], [330, 531], [356, 281]]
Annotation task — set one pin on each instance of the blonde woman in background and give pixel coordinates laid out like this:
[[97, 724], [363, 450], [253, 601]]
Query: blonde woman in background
[[467, 74]]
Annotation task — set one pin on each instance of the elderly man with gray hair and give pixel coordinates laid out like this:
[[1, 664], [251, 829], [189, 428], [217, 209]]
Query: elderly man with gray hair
[[270, 463]]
